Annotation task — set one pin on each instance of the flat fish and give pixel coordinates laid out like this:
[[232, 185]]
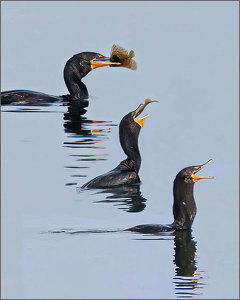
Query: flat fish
[[119, 54]]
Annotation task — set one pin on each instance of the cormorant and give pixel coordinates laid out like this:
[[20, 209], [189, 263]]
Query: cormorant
[[75, 69], [184, 206], [127, 171]]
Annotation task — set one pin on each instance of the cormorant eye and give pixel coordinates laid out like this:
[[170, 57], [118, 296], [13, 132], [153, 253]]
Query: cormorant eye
[[98, 56], [188, 179]]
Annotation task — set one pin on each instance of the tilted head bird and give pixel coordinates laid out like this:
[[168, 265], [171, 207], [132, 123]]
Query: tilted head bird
[[75, 69], [184, 206], [78, 67], [127, 171]]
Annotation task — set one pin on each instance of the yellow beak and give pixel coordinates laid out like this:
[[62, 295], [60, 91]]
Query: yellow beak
[[140, 121], [198, 168], [102, 62]]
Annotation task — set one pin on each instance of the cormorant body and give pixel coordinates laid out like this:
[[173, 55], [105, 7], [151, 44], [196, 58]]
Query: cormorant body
[[32, 98], [127, 171], [184, 206], [75, 69]]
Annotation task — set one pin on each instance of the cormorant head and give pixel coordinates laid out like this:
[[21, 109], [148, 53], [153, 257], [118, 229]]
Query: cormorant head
[[129, 130], [98, 60], [130, 121], [188, 174]]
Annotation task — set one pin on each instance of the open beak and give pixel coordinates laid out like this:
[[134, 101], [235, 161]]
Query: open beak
[[140, 121], [102, 62], [198, 168], [139, 110]]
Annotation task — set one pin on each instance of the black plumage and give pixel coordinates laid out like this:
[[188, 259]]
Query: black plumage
[[127, 171], [75, 69], [184, 206]]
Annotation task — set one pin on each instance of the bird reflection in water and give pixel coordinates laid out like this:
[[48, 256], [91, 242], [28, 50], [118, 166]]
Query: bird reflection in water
[[84, 134], [186, 277], [127, 198]]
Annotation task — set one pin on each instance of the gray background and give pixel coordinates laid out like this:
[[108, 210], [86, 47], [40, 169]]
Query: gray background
[[187, 56]]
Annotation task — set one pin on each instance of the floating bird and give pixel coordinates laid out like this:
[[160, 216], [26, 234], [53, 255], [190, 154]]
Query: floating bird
[[184, 206], [75, 69], [127, 171]]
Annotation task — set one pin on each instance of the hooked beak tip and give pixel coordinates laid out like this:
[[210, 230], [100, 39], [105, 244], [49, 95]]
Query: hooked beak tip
[[198, 168]]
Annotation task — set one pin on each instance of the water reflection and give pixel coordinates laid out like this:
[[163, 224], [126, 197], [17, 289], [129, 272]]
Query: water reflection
[[75, 111], [127, 198], [84, 138], [186, 279]]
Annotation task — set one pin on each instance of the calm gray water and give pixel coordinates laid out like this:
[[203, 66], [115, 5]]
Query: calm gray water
[[55, 242]]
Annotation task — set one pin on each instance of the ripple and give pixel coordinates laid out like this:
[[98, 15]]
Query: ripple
[[88, 135], [75, 231], [126, 198], [187, 280], [75, 167]]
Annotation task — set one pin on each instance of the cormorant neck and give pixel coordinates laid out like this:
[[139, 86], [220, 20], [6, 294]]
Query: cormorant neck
[[75, 69], [184, 206], [76, 88], [81, 90], [129, 142]]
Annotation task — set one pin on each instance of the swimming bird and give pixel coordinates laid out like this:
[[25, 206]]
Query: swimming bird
[[184, 206], [75, 69], [127, 171]]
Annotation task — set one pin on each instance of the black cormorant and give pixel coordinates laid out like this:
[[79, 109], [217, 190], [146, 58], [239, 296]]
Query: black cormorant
[[127, 171], [75, 69], [184, 206]]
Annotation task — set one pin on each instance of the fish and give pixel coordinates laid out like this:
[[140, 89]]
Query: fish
[[121, 55]]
